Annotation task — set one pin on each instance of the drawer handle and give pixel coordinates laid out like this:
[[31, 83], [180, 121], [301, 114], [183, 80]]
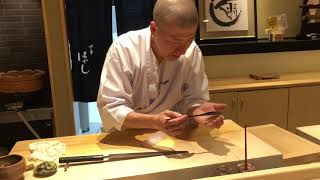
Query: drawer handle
[[233, 102], [241, 103]]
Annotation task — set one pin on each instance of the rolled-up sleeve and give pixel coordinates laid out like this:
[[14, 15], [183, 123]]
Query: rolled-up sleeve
[[115, 93]]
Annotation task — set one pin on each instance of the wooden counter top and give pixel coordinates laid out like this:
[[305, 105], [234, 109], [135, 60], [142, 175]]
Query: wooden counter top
[[311, 133], [298, 172], [212, 148], [295, 149], [246, 83]]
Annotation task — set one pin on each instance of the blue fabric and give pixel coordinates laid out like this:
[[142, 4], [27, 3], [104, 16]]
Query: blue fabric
[[133, 14], [89, 25]]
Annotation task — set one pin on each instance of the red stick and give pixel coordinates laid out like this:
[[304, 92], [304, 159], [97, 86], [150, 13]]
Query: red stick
[[245, 149]]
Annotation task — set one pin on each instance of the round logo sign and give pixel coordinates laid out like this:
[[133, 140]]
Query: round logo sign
[[225, 12]]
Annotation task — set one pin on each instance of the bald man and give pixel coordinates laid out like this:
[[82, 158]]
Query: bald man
[[153, 78]]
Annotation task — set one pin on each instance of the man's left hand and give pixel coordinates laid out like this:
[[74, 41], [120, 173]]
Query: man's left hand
[[211, 121]]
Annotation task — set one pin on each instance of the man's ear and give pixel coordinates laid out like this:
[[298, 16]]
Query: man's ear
[[153, 27]]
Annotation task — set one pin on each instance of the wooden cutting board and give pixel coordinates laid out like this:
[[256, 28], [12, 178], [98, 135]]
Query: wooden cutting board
[[295, 149], [311, 133], [211, 148]]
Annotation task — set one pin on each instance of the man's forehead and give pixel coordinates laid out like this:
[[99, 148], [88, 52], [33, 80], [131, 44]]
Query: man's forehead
[[176, 32], [181, 38]]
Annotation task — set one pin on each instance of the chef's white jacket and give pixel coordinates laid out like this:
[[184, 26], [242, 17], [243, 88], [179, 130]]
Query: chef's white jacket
[[133, 80]]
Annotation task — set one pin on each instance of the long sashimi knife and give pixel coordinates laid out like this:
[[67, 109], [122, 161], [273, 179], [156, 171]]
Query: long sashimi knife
[[114, 157]]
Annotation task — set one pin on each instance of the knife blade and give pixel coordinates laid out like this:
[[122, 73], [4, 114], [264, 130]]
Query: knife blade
[[113, 157]]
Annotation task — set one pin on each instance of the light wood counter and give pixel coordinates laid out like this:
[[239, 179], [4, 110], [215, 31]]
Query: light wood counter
[[311, 133], [212, 148], [246, 83], [298, 172], [295, 149]]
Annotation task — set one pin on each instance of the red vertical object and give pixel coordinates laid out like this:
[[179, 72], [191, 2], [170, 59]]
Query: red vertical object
[[245, 149]]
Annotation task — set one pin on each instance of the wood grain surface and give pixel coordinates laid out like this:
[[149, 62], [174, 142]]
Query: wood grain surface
[[210, 148], [311, 133], [246, 83], [295, 149], [298, 172]]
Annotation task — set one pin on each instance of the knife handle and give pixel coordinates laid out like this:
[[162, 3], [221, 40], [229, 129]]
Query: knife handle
[[81, 158]]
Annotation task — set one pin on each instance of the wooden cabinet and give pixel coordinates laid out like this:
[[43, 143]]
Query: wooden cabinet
[[256, 107], [289, 102], [304, 108], [263, 107]]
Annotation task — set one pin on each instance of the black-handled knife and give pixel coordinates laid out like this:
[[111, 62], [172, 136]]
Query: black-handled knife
[[210, 113], [114, 157]]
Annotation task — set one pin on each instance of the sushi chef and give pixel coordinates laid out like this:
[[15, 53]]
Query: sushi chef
[[154, 78]]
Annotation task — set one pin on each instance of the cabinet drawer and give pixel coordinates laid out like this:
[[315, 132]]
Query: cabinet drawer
[[255, 107], [263, 107], [304, 107]]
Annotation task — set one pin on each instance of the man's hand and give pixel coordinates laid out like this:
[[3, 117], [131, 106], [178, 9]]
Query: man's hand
[[171, 122], [211, 121]]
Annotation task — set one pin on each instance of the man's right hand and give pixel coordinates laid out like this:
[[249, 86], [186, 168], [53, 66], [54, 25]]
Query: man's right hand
[[173, 123]]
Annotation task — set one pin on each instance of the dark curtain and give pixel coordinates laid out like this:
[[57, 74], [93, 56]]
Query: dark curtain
[[90, 35], [133, 14]]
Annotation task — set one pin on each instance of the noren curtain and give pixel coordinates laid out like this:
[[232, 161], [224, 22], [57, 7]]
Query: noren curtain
[[89, 25], [133, 14]]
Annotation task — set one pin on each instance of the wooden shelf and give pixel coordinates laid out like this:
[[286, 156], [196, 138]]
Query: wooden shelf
[[257, 46], [246, 83], [311, 6], [31, 115]]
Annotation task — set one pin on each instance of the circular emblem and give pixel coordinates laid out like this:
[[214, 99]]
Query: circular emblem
[[225, 12]]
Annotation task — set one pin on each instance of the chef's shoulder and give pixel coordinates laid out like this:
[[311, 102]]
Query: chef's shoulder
[[193, 54], [131, 41]]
